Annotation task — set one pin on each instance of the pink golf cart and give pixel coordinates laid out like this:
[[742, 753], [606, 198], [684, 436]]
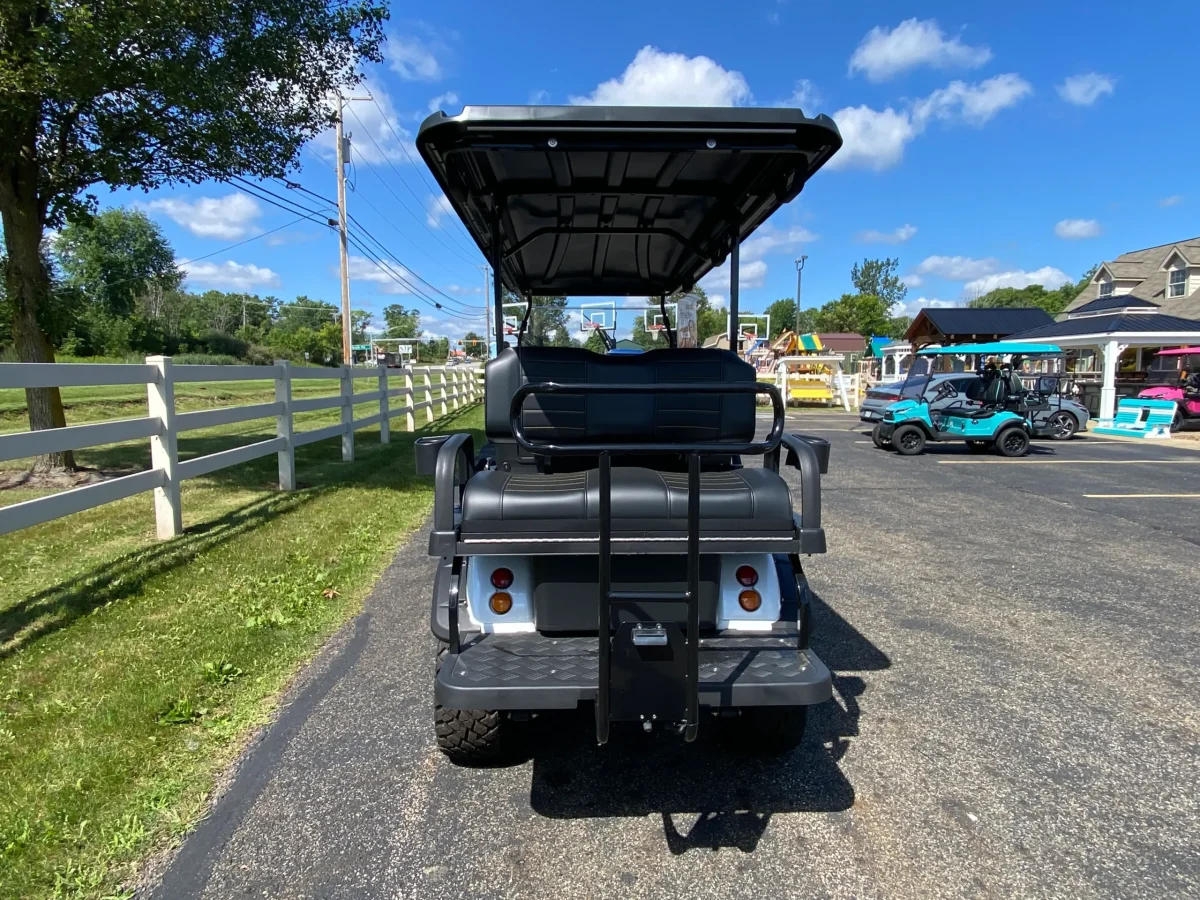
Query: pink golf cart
[[1175, 375]]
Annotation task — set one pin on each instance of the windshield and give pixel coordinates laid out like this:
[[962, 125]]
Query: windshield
[[915, 387], [1170, 368]]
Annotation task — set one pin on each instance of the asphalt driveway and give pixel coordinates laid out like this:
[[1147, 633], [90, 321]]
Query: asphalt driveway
[[1016, 712]]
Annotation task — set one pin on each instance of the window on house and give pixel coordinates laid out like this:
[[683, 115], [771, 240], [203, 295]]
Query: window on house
[[1106, 289], [1177, 282]]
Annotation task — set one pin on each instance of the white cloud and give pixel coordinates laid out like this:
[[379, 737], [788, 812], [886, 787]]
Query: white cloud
[[449, 99], [366, 120], [883, 54], [975, 104], [1173, 200], [804, 95], [539, 97], [911, 280], [910, 308], [872, 139], [771, 240], [413, 59], [228, 218], [655, 78], [1072, 229], [956, 268], [752, 274], [875, 139], [362, 269], [1047, 276], [461, 290], [1086, 89], [229, 275], [436, 208], [896, 236]]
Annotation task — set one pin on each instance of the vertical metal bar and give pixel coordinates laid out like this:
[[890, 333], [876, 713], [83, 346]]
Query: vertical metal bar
[[693, 602], [498, 278], [605, 581], [452, 603], [734, 279]]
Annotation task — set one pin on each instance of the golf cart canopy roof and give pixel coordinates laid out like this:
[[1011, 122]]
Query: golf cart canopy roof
[[1182, 351], [609, 201], [996, 347]]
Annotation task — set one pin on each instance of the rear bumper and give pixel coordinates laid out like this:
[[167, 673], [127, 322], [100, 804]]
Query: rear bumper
[[534, 671], [885, 430]]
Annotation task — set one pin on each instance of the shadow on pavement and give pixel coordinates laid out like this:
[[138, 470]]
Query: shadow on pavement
[[734, 794]]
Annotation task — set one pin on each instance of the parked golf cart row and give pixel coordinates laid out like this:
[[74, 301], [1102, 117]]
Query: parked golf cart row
[[1004, 417]]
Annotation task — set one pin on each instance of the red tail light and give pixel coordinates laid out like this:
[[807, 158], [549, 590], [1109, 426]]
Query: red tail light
[[502, 578], [746, 576]]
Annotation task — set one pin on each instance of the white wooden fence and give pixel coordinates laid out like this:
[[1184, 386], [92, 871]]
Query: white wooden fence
[[445, 389]]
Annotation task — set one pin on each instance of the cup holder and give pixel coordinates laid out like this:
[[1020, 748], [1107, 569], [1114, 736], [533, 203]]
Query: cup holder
[[426, 451]]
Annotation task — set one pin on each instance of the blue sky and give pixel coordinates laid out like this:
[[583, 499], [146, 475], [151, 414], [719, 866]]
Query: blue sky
[[986, 144]]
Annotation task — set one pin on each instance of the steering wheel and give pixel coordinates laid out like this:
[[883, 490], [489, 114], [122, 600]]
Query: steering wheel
[[945, 392]]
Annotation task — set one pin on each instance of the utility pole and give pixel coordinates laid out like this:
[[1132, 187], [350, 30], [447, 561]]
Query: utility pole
[[342, 159], [799, 270]]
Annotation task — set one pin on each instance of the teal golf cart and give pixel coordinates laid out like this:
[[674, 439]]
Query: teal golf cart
[[999, 416]]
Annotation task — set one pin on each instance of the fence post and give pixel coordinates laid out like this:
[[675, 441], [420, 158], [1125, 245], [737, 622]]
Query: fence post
[[442, 382], [409, 420], [385, 427], [164, 449], [429, 394], [283, 424], [347, 415]]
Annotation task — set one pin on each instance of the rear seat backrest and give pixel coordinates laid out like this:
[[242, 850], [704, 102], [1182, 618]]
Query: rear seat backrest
[[620, 417]]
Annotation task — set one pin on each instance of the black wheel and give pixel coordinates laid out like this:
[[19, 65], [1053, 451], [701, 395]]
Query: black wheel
[[769, 730], [1013, 442], [909, 440], [1177, 422], [878, 441], [979, 446], [471, 736], [1063, 426]]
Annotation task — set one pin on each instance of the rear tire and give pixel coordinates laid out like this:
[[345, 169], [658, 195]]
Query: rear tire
[[770, 730], [908, 440], [1012, 442], [471, 736], [878, 441], [1177, 422]]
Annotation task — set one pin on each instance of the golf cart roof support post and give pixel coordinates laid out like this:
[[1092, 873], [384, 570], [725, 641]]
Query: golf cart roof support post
[[662, 306], [497, 279], [525, 318], [734, 266]]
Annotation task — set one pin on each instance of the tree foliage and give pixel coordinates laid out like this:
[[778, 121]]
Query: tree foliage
[[878, 278], [1035, 295], [783, 316], [400, 322], [143, 93]]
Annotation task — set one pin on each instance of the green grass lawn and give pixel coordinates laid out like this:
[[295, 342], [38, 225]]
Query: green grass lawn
[[131, 670]]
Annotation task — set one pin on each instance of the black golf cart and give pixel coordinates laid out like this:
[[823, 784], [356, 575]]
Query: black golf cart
[[607, 543]]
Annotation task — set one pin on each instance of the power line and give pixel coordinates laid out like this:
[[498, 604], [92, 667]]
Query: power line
[[240, 243], [392, 165], [413, 162], [387, 270]]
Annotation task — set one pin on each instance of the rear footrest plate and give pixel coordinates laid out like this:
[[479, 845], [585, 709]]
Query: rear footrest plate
[[535, 671]]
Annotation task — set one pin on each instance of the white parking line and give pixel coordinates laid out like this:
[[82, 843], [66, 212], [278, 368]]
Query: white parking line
[[1068, 462], [1139, 496]]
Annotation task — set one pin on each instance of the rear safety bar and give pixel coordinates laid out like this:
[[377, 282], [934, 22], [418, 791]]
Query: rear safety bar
[[647, 634]]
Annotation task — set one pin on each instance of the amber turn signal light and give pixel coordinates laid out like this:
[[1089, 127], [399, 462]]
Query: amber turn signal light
[[750, 601], [501, 602]]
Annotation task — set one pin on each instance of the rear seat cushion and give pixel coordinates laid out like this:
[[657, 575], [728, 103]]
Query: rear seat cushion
[[752, 499]]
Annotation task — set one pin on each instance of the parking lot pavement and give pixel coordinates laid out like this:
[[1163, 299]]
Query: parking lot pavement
[[1016, 714]]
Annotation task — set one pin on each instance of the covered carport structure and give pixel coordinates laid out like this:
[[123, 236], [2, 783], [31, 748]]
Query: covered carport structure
[[1110, 332]]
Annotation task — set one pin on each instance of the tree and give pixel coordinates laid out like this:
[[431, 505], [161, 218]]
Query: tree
[[360, 321], [400, 322], [473, 344], [897, 326], [783, 316], [877, 278], [118, 258], [145, 93], [863, 314]]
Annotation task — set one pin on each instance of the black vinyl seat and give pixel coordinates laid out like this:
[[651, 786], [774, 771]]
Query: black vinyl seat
[[741, 500], [531, 494]]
